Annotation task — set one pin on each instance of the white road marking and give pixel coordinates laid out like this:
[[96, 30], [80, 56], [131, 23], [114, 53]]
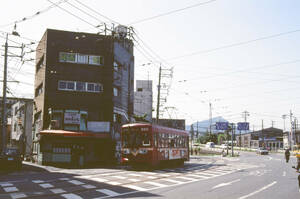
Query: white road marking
[[88, 186], [185, 178], [17, 195], [46, 185], [226, 183], [134, 180], [71, 196], [284, 174], [119, 177], [135, 175], [135, 187], [10, 189], [255, 192], [149, 173], [114, 183], [56, 191], [156, 184], [6, 184], [76, 182], [164, 175], [38, 181], [108, 192], [198, 176], [151, 177], [99, 179], [173, 181]]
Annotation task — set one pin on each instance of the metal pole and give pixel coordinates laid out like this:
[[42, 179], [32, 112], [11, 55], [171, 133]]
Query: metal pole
[[158, 96], [232, 129], [210, 120], [4, 98]]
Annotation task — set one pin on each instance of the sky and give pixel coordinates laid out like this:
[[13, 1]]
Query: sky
[[238, 55]]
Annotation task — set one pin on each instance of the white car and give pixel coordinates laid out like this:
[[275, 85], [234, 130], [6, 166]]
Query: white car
[[210, 145], [262, 151]]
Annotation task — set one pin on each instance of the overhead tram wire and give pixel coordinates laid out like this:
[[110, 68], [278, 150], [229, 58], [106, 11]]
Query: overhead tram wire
[[235, 44], [171, 12], [34, 15]]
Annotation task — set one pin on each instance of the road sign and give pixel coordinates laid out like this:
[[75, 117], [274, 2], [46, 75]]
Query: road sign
[[243, 126], [221, 125]]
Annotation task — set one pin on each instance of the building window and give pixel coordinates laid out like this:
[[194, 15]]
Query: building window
[[80, 86], [39, 90], [95, 60], [67, 57], [82, 59], [40, 63], [116, 92]]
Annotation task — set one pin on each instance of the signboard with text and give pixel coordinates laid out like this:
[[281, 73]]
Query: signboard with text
[[243, 126], [72, 118], [222, 126]]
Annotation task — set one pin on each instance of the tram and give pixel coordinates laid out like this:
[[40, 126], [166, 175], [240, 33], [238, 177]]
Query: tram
[[149, 144]]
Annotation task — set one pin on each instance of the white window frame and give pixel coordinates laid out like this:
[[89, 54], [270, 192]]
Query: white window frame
[[68, 61], [91, 60], [85, 58], [84, 89], [116, 91]]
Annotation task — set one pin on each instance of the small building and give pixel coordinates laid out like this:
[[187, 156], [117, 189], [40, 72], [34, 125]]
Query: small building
[[271, 138], [21, 121], [287, 140], [143, 99], [84, 87]]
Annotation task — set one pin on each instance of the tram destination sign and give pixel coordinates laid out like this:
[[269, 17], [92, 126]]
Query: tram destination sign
[[222, 126]]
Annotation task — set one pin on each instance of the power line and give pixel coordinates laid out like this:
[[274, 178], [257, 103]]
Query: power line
[[235, 44], [171, 12]]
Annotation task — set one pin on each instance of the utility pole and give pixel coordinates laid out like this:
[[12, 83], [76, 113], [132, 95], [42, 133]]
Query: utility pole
[[284, 117], [232, 129], [4, 98], [272, 123], [291, 130], [158, 96], [245, 115], [262, 133], [210, 120]]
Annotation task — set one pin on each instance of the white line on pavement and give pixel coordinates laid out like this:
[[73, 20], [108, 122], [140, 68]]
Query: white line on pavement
[[135, 175], [134, 180], [119, 177], [255, 192], [38, 181], [76, 182], [88, 186], [226, 183], [108, 192], [135, 187], [114, 183], [173, 181], [6, 184], [17, 195], [99, 179], [10, 189], [156, 184], [71, 196], [46, 185], [56, 191], [284, 174]]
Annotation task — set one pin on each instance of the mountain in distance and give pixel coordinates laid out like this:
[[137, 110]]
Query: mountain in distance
[[203, 126]]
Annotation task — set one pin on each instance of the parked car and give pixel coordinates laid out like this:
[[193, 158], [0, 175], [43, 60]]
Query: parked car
[[225, 146], [11, 159], [210, 145], [262, 151]]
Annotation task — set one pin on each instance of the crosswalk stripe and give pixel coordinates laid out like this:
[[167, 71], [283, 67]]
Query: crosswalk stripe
[[46, 185], [99, 179], [134, 180], [6, 184], [38, 181], [119, 177], [156, 184], [88, 186], [185, 178], [56, 191], [173, 181], [135, 187], [10, 189], [108, 192], [17, 195], [151, 177], [198, 176], [114, 183], [71, 196], [136, 175], [76, 182]]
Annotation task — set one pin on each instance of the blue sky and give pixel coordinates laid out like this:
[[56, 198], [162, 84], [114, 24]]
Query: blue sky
[[261, 77]]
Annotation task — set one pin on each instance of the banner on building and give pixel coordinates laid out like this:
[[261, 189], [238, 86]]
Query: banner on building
[[72, 118]]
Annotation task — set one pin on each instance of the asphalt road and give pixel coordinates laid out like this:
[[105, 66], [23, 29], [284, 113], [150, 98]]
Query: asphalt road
[[248, 176]]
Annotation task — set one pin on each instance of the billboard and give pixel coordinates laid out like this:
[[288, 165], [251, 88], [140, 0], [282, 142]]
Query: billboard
[[243, 126], [222, 126]]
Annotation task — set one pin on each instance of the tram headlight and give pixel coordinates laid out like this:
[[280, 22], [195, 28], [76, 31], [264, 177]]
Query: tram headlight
[[143, 151]]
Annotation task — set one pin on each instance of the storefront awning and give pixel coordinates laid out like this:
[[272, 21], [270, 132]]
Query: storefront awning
[[73, 134]]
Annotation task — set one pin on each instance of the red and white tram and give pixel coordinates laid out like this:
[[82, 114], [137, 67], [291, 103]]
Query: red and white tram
[[149, 144]]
